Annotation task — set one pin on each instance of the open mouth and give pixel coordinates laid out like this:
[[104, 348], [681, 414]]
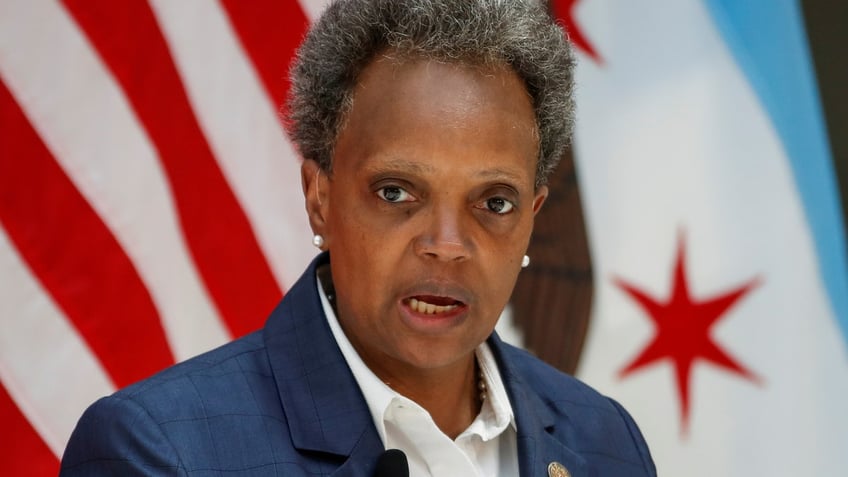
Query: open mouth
[[433, 305]]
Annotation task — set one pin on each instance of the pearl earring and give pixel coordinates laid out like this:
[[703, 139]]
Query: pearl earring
[[318, 241], [525, 262]]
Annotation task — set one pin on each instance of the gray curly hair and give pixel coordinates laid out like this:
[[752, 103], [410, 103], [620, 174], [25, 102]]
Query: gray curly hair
[[350, 33]]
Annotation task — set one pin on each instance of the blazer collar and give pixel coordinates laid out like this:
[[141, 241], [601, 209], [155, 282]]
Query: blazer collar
[[322, 401], [536, 424]]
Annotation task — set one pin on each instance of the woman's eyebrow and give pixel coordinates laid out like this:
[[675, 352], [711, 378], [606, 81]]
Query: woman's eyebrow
[[390, 164], [393, 165], [499, 174]]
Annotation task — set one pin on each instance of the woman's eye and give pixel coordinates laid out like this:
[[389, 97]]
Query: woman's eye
[[499, 205], [393, 194]]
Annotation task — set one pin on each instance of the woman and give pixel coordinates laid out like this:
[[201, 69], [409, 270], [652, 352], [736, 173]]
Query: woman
[[428, 129]]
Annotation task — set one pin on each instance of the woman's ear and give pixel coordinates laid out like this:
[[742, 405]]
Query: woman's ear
[[313, 181], [541, 195]]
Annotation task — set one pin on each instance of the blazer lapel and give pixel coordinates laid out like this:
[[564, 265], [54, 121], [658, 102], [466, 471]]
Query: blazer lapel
[[325, 409], [538, 446], [363, 457]]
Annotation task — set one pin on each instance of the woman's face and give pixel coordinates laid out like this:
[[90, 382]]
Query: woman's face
[[428, 210]]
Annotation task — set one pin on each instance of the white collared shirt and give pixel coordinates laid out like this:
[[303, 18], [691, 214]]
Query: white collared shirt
[[487, 448]]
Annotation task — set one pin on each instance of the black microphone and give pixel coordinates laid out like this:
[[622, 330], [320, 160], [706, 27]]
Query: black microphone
[[392, 463]]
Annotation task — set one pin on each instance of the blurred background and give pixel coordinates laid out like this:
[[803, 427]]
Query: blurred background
[[690, 261]]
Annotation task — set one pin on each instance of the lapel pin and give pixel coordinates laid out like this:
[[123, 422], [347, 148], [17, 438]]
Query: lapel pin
[[555, 469]]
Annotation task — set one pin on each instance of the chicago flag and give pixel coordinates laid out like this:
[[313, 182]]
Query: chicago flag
[[720, 312]]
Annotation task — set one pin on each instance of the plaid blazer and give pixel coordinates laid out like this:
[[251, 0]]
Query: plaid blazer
[[282, 401]]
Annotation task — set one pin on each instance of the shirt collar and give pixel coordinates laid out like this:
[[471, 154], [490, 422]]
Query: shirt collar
[[495, 415]]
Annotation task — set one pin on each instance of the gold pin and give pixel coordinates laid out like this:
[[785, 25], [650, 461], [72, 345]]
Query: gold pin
[[555, 469]]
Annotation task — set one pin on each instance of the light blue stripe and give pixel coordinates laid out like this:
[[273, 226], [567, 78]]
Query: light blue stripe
[[768, 40]]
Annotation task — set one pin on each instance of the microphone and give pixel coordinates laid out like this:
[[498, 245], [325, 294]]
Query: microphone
[[392, 463]]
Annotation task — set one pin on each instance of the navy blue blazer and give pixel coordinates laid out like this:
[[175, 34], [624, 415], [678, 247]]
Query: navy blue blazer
[[282, 401]]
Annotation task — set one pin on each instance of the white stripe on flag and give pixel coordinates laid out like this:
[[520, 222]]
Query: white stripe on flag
[[244, 130], [672, 142], [313, 8], [48, 369], [85, 120]]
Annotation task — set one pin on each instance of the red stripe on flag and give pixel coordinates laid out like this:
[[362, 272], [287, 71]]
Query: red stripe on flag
[[74, 255], [270, 31], [217, 231], [23, 450]]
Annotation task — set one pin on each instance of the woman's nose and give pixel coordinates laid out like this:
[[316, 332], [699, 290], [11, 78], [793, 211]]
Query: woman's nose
[[443, 237]]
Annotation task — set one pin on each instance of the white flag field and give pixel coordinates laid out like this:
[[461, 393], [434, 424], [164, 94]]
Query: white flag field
[[150, 209]]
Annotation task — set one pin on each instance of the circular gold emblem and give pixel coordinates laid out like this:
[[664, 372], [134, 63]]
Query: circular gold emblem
[[555, 469]]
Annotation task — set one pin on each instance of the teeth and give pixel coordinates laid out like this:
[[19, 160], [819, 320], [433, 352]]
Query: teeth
[[428, 308]]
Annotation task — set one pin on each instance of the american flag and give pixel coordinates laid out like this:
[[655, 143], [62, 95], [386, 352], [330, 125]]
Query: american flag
[[150, 203]]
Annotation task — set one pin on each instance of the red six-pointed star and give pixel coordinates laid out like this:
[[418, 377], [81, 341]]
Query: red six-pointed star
[[682, 326]]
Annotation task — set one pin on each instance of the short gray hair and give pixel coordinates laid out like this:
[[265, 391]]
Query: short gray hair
[[351, 33]]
